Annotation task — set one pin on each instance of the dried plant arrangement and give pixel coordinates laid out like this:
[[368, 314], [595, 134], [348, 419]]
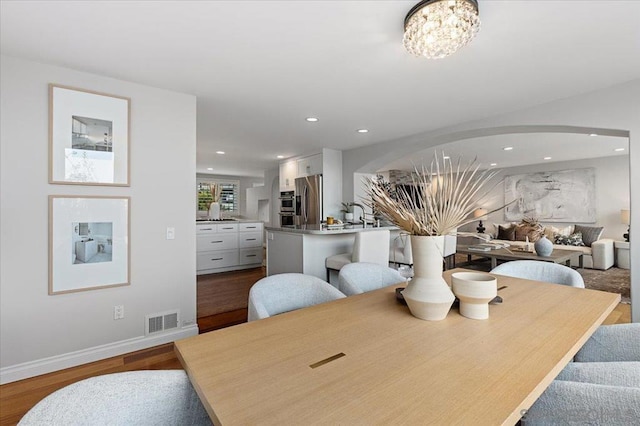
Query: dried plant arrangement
[[444, 197]]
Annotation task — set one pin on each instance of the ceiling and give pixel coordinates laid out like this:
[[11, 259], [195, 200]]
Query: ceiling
[[259, 68], [527, 148]]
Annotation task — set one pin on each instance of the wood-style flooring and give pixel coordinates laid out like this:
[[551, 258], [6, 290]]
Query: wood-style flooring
[[222, 301], [222, 298]]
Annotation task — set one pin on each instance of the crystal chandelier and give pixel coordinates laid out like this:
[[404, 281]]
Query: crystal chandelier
[[438, 28]]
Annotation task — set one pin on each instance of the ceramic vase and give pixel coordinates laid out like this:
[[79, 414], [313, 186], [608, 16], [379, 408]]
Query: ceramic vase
[[543, 246], [475, 290], [428, 295], [214, 211], [348, 217]]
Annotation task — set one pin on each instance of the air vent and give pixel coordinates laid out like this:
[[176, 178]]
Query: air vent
[[162, 321]]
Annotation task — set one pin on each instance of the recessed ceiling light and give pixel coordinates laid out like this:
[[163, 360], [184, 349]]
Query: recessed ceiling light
[[363, 131], [209, 168], [493, 164], [220, 152], [446, 157], [507, 148], [619, 149], [311, 119], [593, 134], [279, 156], [547, 158]]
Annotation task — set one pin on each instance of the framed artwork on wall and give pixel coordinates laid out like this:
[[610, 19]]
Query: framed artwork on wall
[[558, 196], [88, 137], [88, 242]]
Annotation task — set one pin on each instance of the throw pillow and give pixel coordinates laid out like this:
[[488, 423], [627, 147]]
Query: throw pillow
[[569, 240], [529, 228], [551, 231], [590, 234], [496, 227], [506, 233]]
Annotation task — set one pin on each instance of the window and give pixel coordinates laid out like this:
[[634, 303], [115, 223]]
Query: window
[[229, 196]]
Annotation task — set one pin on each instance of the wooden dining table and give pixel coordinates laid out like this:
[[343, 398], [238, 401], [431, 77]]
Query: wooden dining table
[[366, 360]]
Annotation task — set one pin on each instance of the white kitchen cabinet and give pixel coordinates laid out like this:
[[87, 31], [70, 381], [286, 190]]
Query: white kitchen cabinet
[[288, 174], [225, 247], [310, 165]]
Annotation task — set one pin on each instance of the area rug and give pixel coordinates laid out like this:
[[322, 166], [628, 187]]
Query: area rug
[[613, 280]]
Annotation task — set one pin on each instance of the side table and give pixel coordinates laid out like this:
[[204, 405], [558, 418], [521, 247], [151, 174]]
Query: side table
[[622, 254]]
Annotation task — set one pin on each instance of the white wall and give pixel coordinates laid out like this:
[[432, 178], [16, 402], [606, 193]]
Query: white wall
[[612, 192], [41, 333], [265, 192], [613, 111]]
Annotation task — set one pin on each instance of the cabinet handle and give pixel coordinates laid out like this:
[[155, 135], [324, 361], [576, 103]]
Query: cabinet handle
[[251, 227], [227, 228], [206, 229], [251, 255], [212, 242], [250, 239], [217, 258]]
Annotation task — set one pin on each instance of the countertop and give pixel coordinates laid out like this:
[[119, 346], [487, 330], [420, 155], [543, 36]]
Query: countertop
[[220, 222], [322, 230]]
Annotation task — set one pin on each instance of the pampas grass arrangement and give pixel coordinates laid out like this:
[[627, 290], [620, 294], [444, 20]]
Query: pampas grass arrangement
[[445, 197]]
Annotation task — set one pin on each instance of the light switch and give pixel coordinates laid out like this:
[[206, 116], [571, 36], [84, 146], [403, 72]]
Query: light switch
[[171, 233]]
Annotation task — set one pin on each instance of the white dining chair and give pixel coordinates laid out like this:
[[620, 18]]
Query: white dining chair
[[361, 277], [400, 252], [281, 293], [151, 397], [540, 271], [368, 246]]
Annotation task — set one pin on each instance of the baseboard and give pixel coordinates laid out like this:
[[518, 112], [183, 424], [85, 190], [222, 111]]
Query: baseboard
[[72, 359]]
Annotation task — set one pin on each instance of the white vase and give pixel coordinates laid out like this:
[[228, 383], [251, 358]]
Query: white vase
[[214, 211], [428, 295], [475, 290], [348, 217]]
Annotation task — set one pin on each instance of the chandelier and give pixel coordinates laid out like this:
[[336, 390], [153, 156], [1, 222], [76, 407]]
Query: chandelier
[[438, 28]]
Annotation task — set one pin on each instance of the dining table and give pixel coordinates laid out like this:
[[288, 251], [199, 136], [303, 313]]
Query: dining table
[[366, 360]]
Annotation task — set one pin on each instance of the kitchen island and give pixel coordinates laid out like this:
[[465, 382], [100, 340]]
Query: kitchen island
[[304, 248]]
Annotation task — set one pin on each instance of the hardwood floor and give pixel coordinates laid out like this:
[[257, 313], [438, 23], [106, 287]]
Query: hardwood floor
[[222, 301], [222, 298]]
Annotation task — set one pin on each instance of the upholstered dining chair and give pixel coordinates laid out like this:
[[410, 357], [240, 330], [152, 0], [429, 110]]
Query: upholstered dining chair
[[281, 293], [360, 277], [152, 397], [612, 343], [368, 246], [578, 403], [540, 271]]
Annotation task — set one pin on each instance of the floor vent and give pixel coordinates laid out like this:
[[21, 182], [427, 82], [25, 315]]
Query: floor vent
[[162, 321]]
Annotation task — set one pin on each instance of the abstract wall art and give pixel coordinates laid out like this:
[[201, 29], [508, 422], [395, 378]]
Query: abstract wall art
[[558, 196]]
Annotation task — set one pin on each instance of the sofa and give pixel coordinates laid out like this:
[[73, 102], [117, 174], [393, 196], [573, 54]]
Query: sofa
[[598, 253]]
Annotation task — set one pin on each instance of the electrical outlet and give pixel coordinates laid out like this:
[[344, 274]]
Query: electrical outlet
[[171, 233], [118, 312]]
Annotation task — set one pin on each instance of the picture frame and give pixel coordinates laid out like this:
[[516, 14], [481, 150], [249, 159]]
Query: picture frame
[[88, 242], [88, 137], [555, 196]]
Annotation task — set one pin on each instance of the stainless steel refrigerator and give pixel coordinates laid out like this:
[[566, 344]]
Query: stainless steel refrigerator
[[309, 200]]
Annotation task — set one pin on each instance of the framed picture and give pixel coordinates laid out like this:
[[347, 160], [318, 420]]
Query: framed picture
[[88, 137], [88, 243], [558, 196]]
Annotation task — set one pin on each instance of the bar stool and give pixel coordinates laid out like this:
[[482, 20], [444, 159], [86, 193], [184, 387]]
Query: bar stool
[[369, 246]]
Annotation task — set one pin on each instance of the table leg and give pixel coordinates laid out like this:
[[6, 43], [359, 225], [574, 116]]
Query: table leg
[[581, 261], [494, 262]]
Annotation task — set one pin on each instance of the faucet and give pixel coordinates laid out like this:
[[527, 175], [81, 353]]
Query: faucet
[[364, 221]]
